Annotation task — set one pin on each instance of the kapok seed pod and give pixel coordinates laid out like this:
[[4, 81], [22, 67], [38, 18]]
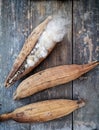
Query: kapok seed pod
[[50, 78], [43, 111], [37, 47], [27, 47]]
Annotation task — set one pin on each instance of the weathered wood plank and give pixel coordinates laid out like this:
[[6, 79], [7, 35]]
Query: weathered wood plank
[[13, 22], [18, 18], [86, 49], [62, 54]]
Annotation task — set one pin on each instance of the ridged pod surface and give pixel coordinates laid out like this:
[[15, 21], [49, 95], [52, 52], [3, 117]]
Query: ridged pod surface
[[43, 111], [51, 77]]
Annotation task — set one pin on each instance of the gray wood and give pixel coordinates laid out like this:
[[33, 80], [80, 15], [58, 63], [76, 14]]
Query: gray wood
[[57, 57], [13, 23], [17, 19], [86, 49]]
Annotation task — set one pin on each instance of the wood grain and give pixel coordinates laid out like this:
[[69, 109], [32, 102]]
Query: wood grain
[[85, 49], [57, 57], [18, 18], [12, 38]]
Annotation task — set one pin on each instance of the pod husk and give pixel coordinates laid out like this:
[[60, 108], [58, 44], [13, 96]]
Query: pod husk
[[27, 48], [43, 111], [51, 77]]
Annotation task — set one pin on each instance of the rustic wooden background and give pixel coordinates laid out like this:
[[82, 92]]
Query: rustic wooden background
[[80, 45]]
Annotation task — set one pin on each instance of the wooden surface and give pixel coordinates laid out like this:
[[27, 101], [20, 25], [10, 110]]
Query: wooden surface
[[86, 49], [80, 45]]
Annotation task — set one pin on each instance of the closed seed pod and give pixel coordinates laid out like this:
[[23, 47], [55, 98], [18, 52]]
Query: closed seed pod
[[50, 78], [43, 111], [37, 47]]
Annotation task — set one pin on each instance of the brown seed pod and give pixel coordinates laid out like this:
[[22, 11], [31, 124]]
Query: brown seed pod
[[18, 69], [43, 111], [37, 47], [51, 77]]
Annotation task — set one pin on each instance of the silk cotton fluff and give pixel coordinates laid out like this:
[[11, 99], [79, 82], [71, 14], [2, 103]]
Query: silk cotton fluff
[[53, 33]]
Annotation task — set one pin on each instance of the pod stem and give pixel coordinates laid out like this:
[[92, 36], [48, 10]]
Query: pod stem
[[81, 103], [4, 117]]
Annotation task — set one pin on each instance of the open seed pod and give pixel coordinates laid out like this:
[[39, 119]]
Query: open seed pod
[[37, 47]]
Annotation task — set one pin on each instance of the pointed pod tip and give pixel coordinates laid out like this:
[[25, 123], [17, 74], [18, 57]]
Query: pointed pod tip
[[94, 63], [7, 85], [97, 61], [89, 66], [15, 97]]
